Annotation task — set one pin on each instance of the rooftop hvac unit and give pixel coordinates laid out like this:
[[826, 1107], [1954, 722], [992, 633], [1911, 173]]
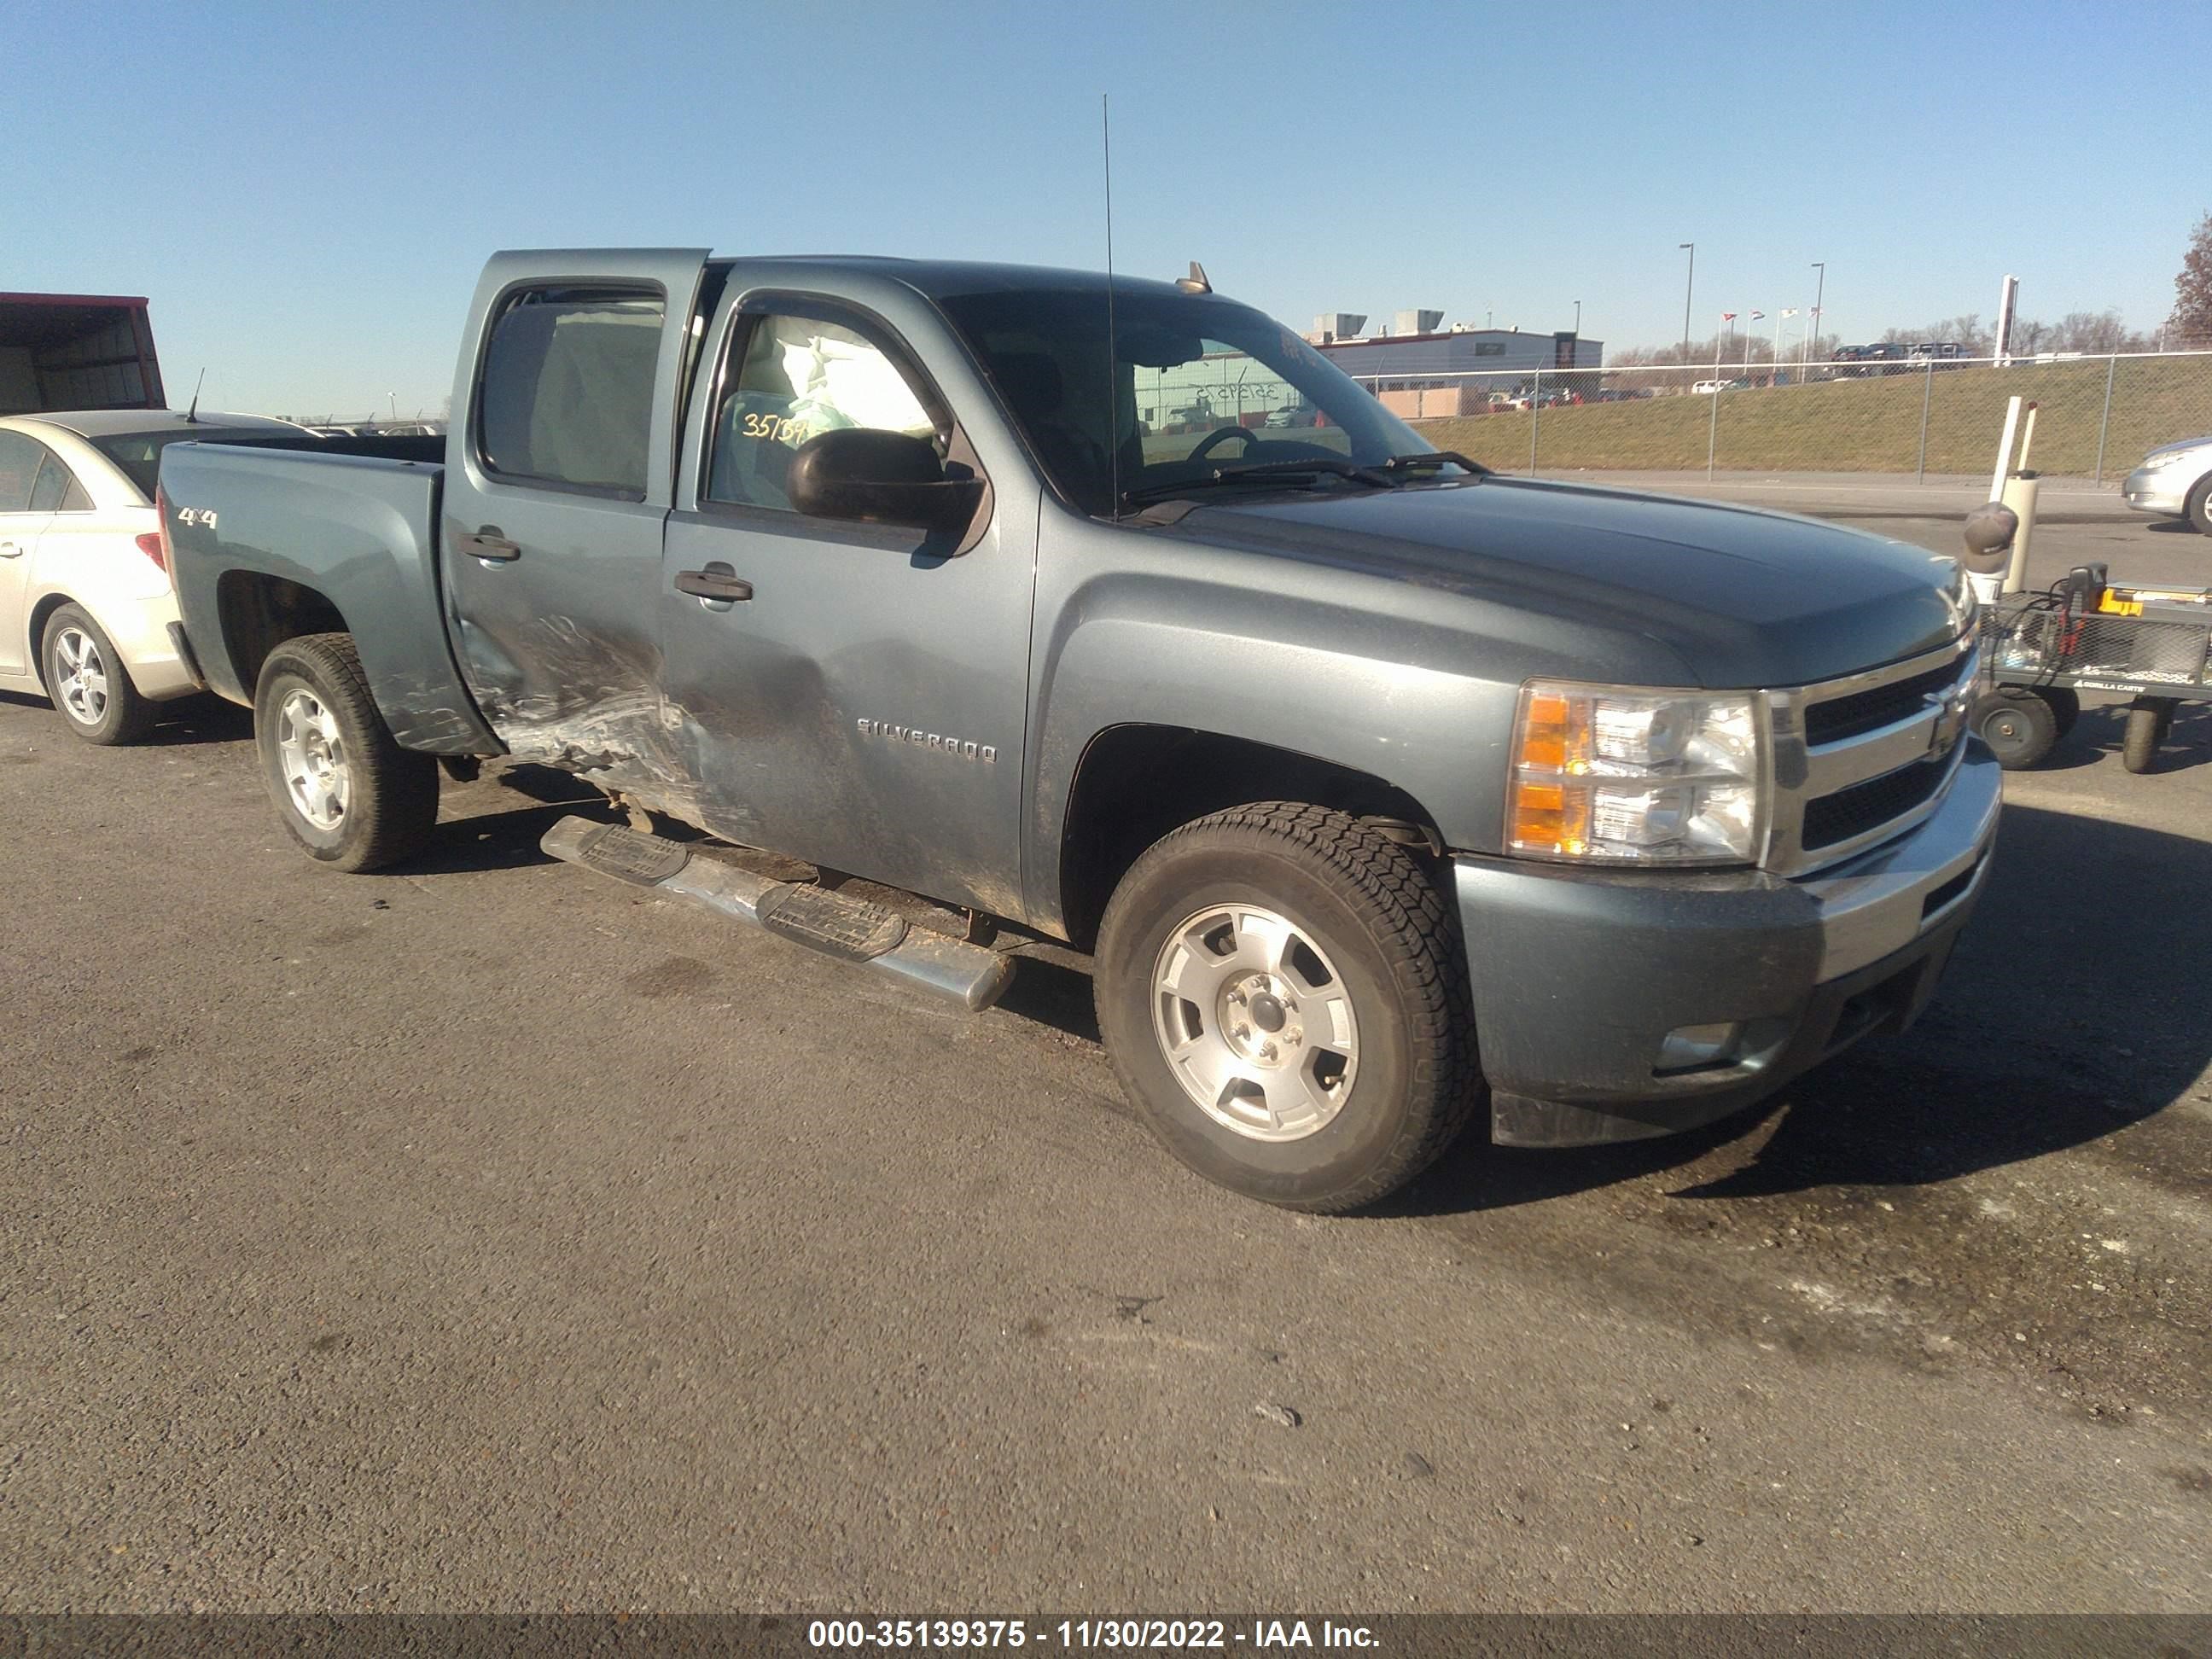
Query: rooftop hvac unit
[[1340, 325], [1416, 322]]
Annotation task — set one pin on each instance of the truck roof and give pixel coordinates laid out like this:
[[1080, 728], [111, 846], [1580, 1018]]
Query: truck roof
[[936, 279]]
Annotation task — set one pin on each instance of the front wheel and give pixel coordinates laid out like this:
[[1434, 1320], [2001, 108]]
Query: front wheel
[[1283, 994], [349, 794], [2019, 726], [2197, 509]]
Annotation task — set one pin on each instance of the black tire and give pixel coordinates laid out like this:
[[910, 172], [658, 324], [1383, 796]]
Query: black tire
[[1375, 917], [2065, 705], [114, 713], [2197, 509], [2149, 719], [2019, 726], [390, 798]]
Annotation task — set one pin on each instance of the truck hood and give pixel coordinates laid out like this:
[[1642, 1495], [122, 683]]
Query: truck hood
[[1744, 597]]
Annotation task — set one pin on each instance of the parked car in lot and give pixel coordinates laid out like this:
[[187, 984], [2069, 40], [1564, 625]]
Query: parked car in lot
[[1706, 388], [87, 618], [1382, 792], [2174, 482]]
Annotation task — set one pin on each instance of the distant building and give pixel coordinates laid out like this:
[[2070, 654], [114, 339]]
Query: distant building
[[1463, 371], [1486, 354]]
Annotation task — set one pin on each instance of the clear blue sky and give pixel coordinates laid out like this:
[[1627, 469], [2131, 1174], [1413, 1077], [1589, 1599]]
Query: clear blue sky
[[305, 192]]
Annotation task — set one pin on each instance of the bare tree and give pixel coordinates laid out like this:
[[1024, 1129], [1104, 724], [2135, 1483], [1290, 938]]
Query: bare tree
[[2190, 327]]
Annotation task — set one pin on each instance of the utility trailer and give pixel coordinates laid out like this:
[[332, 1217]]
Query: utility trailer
[[2086, 633]]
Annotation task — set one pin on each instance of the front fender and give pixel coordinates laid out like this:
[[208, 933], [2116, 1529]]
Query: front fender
[[1410, 683]]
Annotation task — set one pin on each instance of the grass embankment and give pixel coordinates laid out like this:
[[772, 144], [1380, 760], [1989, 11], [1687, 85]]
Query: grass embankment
[[1862, 426]]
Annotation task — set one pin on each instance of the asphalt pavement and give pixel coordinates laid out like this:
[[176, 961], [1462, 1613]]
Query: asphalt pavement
[[485, 1234]]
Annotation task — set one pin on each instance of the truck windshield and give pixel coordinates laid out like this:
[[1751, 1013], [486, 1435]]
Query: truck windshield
[[1199, 385]]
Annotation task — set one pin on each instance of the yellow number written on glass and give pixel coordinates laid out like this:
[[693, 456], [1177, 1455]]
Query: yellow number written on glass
[[777, 428]]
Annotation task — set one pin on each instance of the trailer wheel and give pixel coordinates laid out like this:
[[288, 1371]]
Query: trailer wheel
[[1284, 997], [2149, 719], [2065, 705], [2019, 726], [349, 794]]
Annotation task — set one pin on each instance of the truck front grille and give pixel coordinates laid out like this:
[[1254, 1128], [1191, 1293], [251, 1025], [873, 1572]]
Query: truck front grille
[[1860, 760], [1860, 711], [1864, 806]]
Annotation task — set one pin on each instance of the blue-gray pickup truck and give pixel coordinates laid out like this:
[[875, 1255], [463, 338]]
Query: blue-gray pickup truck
[[1381, 791]]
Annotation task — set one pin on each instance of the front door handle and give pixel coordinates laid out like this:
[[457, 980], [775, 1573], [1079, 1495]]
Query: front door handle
[[9, 551], [716, 581], [489, 542]]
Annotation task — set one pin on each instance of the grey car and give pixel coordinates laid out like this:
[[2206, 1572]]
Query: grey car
[[2175, 481]]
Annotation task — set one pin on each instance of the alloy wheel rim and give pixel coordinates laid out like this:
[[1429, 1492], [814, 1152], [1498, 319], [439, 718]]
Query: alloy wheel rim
[[1255, 1021], [317, 777], [82, 689]]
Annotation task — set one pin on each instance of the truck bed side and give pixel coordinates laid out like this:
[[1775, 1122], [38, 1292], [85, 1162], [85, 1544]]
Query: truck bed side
[[266, 543]]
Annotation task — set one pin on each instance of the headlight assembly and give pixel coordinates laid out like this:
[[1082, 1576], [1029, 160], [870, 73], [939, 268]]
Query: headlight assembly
[[1607, 775]]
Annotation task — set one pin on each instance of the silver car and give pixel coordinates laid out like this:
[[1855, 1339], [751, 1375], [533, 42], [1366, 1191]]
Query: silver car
[[2175, 481]]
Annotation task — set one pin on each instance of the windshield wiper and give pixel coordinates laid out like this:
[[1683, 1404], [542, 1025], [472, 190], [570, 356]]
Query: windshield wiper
[[1279, 473], [1434, 458]]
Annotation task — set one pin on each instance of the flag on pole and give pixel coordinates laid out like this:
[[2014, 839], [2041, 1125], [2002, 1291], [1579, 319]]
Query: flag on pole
[[1728, 316], [1756, 315], [1791, 311]]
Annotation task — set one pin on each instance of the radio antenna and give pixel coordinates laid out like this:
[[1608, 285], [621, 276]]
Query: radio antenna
[[192, 415], [1113, 372]]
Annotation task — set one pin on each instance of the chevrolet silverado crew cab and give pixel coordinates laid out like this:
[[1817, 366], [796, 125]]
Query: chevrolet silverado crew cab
[[1381, 791]]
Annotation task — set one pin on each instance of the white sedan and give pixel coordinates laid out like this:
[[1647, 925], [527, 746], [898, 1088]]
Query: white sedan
[[2174, 482], [87, 616]]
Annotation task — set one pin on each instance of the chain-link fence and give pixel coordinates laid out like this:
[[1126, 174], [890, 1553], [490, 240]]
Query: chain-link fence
[[2096, 416]]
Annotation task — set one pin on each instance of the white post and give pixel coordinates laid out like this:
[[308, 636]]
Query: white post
[[2004, 448]]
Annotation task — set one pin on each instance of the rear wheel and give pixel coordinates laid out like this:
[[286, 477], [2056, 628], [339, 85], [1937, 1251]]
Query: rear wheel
[[89, 683], [2019, 726], [349, 794], [1282, 996], [2149, 719]]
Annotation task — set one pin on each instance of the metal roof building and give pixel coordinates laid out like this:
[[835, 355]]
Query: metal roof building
[[1472, 352]]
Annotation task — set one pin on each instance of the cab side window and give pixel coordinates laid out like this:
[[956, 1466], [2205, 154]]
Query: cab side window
[[789, 378], [566, 396]]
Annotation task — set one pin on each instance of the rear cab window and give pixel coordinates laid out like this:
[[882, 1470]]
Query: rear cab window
[[564, 396]]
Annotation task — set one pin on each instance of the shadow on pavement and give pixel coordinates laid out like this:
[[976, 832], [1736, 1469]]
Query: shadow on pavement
[[2072, 1009], [501, 835], [202, 719]]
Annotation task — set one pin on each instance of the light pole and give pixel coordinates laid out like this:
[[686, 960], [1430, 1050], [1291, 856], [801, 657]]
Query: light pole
[[393, 398], [1689, 284], [1812, 327], [1578, 319]]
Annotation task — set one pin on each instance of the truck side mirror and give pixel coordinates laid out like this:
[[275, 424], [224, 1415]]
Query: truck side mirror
[[874, 476]]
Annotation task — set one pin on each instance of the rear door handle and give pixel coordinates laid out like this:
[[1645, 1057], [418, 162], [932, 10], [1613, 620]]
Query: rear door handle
[[9, 551], [489, 542], [716, 581]]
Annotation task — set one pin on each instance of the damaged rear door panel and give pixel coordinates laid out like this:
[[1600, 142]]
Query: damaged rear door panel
[[556, 493]]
